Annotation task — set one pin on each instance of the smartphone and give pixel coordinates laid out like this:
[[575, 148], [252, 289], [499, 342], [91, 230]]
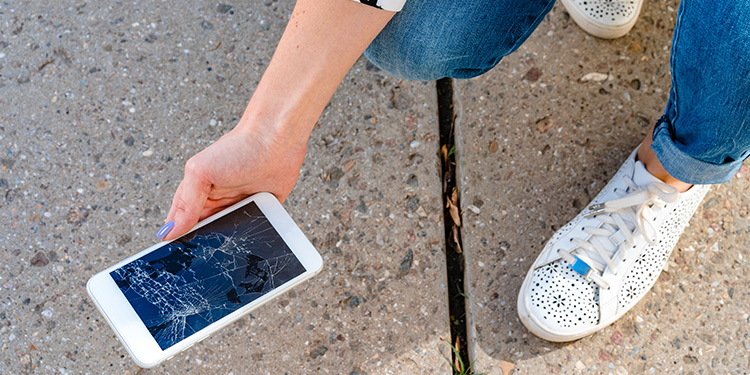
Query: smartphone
[[172, 295]]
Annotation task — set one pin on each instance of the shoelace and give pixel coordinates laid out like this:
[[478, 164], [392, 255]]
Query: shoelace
[[631, 215]]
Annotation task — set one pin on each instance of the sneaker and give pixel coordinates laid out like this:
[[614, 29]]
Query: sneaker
[[608, 19], [598, 266]]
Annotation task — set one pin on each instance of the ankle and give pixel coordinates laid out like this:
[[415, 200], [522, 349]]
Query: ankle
[[646, 156]]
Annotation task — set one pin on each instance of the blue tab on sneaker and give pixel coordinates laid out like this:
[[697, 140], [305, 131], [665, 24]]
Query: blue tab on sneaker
[[580, 266]]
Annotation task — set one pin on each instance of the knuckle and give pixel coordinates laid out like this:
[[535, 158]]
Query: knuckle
[[193, 166], [180, 207], [198, 171]]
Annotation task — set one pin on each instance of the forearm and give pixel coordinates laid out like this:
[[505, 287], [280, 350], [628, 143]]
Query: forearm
[[321, 42]]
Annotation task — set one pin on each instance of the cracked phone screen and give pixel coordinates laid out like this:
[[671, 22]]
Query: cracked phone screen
[[184, 286]]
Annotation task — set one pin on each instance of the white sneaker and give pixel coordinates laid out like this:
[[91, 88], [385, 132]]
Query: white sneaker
[[598, 266], [606, 19]]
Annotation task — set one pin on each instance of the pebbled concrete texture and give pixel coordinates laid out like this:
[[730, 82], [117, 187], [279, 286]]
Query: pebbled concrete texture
[[102, 105], [536, 143]]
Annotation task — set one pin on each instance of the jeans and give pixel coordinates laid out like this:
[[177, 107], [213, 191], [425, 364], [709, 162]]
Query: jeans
[[704, 134]]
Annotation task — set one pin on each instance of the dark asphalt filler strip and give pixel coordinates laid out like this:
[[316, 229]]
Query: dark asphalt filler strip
[[454, 256]]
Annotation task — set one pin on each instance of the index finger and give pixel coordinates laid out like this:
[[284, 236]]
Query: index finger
[[187, 204]]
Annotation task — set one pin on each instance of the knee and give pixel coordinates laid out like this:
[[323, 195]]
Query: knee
[[429, 40], [412, 56]]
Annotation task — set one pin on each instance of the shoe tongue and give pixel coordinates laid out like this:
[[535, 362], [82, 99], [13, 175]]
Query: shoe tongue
[[641, 176]]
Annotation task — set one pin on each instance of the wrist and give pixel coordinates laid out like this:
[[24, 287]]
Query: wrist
[[287, 125]]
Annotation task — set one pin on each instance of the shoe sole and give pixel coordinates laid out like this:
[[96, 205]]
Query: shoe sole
[[599, 30]]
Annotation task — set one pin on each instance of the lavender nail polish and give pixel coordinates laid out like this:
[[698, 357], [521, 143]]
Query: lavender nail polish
[[165, 229]]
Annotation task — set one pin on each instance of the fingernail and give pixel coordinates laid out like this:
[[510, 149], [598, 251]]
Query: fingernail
[[165, 229]]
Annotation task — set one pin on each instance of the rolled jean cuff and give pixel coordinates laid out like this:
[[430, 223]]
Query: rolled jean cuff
[[687, 168]]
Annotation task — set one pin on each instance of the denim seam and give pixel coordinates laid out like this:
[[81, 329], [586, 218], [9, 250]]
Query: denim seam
[[675, 98]]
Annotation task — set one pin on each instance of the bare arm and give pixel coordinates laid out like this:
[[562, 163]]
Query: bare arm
[[321, 43], [265, 150]]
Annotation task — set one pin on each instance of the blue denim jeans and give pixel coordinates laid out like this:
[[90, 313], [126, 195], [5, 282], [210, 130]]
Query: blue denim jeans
[[704, 134]]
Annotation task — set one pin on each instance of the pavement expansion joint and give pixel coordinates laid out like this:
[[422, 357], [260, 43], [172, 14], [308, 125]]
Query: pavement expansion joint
[[455, 262]]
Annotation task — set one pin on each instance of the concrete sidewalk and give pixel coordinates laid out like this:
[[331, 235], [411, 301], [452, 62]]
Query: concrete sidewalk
[[104, 103], [537, 143], [102, 106]]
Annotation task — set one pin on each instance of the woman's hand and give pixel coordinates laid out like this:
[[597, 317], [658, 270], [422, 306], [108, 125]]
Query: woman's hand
[[265, 151], [243, 162]]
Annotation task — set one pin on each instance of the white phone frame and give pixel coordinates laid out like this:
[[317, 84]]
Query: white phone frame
[[133, 333]]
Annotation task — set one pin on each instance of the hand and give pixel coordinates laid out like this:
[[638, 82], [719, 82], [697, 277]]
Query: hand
[[239, 164], [265, 151]]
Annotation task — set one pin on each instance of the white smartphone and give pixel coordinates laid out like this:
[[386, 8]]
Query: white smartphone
[[172, 295]]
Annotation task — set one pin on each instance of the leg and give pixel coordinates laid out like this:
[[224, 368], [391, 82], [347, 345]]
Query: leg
[[705, 133], [603, 262], [432, 39], [654, 166]]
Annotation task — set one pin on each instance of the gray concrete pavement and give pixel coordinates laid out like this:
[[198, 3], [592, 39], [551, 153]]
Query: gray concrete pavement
[[536, 143], [102, 105]]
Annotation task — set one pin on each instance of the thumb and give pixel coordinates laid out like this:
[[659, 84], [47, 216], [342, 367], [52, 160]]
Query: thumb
[[187, 206]]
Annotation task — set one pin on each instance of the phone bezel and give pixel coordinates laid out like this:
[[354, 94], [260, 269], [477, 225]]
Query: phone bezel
[[134, 335]]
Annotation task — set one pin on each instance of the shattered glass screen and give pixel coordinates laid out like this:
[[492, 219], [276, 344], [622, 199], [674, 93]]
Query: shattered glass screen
[[202, 277]]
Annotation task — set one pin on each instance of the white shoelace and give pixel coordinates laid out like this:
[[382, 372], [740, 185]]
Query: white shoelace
[[631, 214]]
